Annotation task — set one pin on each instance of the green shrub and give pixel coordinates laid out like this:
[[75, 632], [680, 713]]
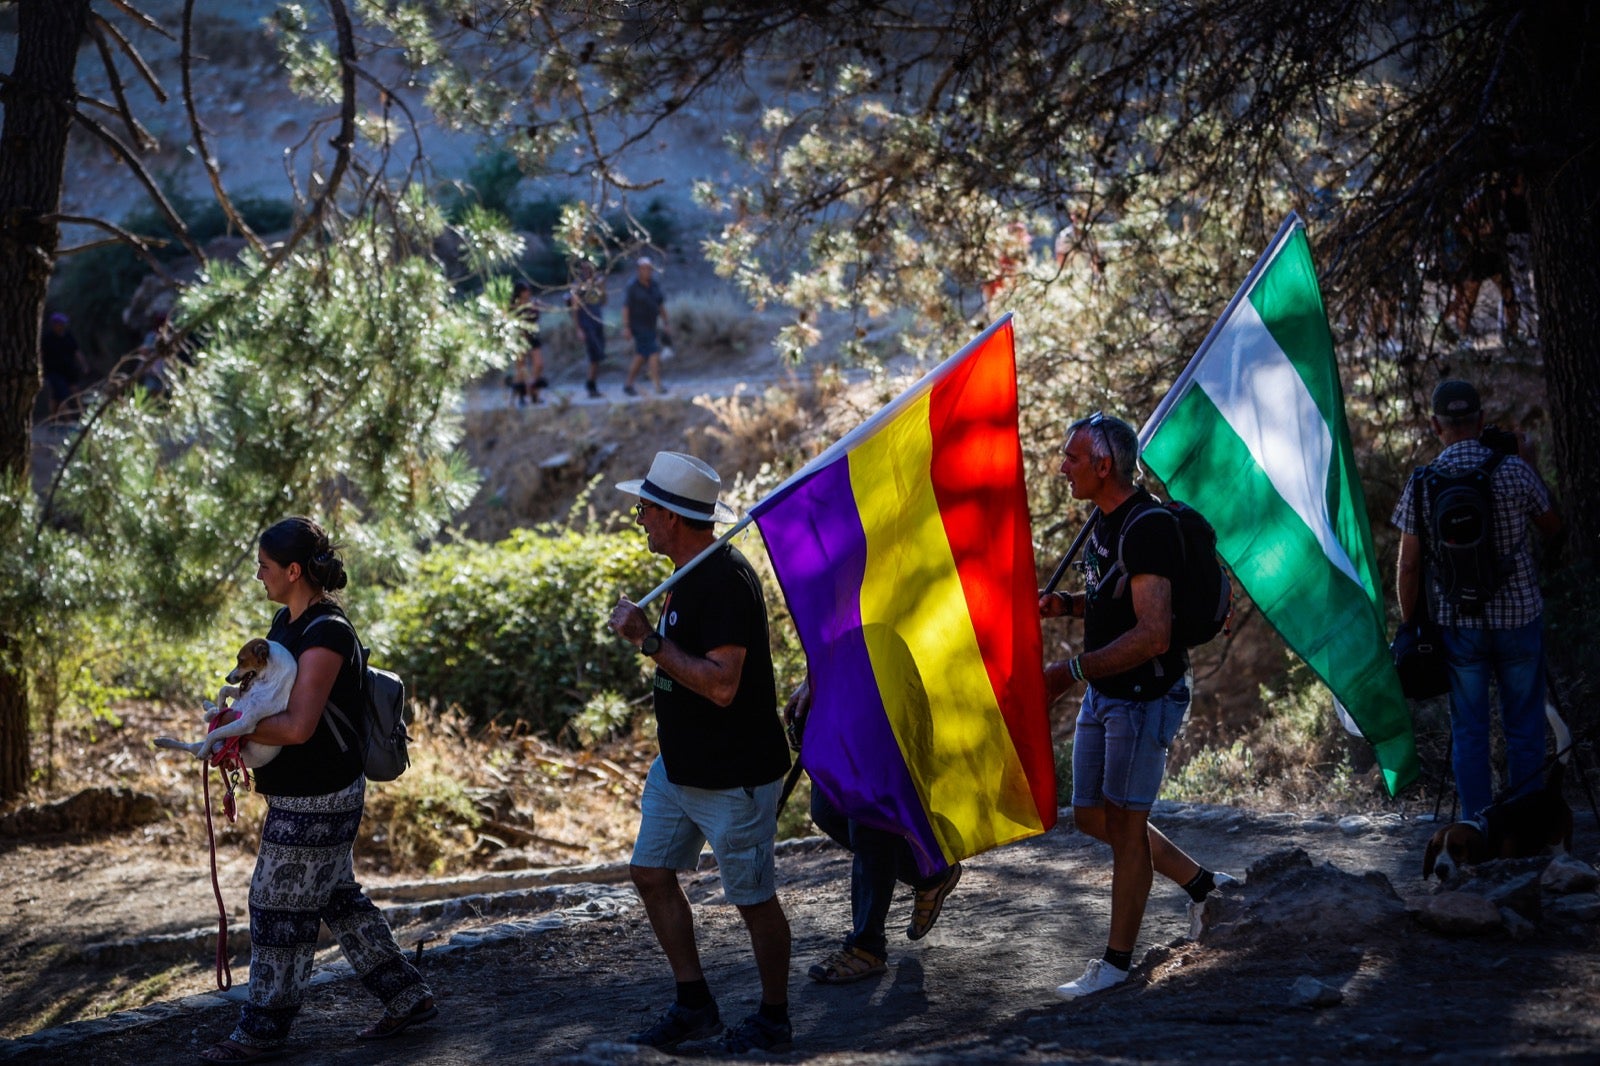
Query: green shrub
[[94, 287], [539, 216], [516, 630]]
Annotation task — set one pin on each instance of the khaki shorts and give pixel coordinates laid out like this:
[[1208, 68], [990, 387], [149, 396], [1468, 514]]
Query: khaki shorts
[[740, 824]]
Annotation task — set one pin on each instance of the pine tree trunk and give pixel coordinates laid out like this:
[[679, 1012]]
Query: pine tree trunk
[[1558, 97], [33, 152]]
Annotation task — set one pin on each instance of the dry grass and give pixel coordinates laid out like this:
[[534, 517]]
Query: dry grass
[[472, 798]]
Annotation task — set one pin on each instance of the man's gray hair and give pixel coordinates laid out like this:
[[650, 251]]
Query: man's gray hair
[[1111, 438]]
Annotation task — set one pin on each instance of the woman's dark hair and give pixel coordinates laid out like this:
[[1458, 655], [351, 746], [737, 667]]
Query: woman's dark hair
[[300, 540], [519, 288]]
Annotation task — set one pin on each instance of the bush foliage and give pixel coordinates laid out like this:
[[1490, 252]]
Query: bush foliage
[[516, 629]]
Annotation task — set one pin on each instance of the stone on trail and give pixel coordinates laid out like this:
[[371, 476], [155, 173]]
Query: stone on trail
[[1459, 913], [1567, 874], [1307, 991]]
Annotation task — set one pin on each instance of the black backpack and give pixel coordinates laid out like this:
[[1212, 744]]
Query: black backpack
[[384, 713], [1458, 533], [1202, 596]]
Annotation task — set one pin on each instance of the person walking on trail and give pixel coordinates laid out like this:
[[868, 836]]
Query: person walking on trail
[[1498, 630], [877, 860], [65, 368], [642, 304], [1137, 686], [528, 375], [315, 791], [723, 757], [587, 299]]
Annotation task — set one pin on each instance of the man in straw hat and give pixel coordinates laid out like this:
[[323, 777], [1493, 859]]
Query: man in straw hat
[[723, 754]]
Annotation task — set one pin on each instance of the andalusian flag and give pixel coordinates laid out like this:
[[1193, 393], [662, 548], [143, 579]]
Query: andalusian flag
[[1253, 435], [905, 555]]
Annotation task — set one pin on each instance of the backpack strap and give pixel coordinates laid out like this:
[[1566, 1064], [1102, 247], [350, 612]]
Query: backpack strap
[[1151, 505], [337, 717]]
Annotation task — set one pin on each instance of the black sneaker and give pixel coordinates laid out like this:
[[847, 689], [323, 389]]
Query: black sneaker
[[593, 389], [629, 390], [757, 1033], [678, 1024]]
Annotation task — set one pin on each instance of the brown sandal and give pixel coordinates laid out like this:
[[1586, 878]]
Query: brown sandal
[[847, 965], [390, 1025], [929, 902]]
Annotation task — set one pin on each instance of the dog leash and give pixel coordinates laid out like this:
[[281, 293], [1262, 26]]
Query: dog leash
[[229, 760]]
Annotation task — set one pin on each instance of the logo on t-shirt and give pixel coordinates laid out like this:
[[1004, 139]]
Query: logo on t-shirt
[[672, 618]]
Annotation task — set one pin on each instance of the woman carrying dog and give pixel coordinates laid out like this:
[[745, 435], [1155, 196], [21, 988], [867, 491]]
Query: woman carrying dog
[[314, 791]]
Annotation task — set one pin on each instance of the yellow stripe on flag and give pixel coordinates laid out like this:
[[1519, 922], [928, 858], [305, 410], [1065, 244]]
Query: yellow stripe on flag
[[924, 650]]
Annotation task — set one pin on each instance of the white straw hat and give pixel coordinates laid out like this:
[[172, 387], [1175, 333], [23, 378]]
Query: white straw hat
[[682, 484]]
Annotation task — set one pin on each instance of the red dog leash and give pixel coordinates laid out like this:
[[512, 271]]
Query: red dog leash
[[230, 760]]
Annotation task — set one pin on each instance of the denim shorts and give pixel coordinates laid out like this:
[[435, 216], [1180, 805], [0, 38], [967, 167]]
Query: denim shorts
[[740, 824], [1119, 753]]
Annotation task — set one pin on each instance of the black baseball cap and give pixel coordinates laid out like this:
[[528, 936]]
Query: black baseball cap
[[1456, 399]]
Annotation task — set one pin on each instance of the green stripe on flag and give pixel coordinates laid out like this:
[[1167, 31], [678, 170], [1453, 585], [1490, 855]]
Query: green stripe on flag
[[1257, 442], [1322, 615], [1290, 304]]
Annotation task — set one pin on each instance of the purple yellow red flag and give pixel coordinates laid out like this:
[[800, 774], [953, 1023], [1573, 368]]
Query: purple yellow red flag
[[906, 557]]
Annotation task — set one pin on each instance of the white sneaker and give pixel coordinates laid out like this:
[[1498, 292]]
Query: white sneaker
[[1099, 976], [1197, 911]]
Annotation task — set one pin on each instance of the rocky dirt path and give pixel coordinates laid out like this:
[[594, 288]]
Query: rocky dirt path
[[1326, 901]]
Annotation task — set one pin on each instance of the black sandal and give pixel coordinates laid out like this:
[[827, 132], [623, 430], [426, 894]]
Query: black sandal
[[390, 1025]]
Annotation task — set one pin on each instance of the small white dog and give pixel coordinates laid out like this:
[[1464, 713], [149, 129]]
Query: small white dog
[[259, 688]]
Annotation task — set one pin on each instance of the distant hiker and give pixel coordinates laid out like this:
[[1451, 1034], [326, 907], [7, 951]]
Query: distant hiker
[[722, 760], [1476, 250], [1482, 588], [65, 368], [587, 299], [879, 858], [1014, 245], [528, 375], [642, 304], [1138, 688]]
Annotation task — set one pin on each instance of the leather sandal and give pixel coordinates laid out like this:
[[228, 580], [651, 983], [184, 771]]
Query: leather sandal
[[393, 1025], [847, 965], [930, 901]]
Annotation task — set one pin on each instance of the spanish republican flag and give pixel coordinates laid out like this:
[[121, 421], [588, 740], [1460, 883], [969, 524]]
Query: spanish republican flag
[[905, 555]]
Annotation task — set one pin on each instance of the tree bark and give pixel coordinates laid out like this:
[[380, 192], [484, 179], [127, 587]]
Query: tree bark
[[37, 99], [1558, 96]]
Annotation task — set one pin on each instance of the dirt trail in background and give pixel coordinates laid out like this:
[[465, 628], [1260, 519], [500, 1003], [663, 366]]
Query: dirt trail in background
[[979, 988]]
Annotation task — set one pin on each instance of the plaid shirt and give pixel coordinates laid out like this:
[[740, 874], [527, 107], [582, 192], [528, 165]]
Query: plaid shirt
[[1519, 495]]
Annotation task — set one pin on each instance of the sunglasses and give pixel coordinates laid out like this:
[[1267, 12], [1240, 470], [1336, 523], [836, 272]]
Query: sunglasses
[[645, 505]]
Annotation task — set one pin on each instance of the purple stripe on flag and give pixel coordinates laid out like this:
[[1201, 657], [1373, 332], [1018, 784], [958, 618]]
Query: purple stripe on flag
[[819, 550]]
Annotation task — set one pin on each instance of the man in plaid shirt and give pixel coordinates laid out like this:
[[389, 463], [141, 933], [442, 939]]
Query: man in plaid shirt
[[1505, 639]]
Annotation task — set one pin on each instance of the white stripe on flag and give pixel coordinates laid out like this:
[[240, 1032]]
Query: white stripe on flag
[[1288, 439]]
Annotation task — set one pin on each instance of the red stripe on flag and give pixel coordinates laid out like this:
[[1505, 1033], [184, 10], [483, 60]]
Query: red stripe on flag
[[977, 478]]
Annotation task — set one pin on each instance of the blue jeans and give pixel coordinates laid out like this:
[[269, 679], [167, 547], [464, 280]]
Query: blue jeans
[[1515, 658], [879, 860]]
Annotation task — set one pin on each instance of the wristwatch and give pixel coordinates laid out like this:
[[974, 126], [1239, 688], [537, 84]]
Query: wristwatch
[[650, 645]]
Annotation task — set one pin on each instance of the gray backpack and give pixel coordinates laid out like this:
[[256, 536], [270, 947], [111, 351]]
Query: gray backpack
[[385, 713]]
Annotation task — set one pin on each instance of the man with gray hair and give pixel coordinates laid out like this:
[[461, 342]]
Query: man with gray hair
[[642, 304], [1137, 684]]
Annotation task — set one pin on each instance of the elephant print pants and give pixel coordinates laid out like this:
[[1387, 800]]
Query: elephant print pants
[[304, 877]]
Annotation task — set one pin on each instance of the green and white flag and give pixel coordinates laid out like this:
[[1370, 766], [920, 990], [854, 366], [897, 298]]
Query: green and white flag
[[1253, 435]]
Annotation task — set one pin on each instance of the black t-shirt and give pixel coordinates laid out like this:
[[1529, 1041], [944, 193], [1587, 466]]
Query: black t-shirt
[[318, 767], [644, 305], [1153, 546], [741, 745], [58, 353]]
